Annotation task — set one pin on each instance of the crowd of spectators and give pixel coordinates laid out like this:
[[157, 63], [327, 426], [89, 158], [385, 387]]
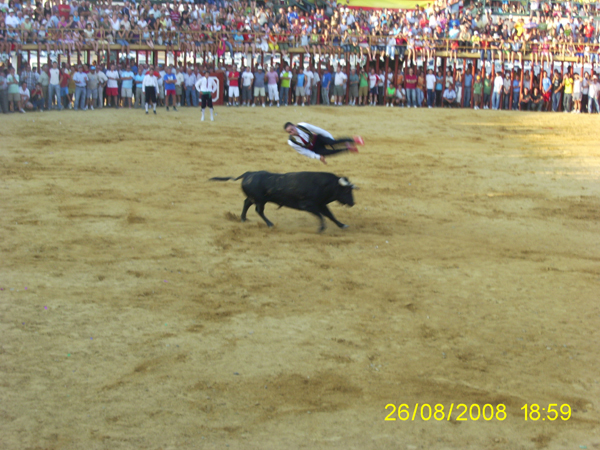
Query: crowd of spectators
[[219, 26], [331, 30], [83, 87]]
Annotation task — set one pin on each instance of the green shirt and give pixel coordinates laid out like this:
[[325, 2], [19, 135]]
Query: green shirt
[[391, 91], [487, 86], [477, 87], [364, 80], [286, 77]]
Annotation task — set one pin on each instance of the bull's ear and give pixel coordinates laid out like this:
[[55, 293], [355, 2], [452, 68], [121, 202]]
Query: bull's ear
[[344, 182]]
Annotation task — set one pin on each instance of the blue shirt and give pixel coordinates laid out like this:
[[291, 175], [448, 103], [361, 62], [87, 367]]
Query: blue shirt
[[468, 80], [139, 78], [326, 80], [546, 83], [169, 76], [300, 80], [127, 84]]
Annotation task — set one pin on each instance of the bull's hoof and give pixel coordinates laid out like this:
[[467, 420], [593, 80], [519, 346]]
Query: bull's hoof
[[343, 226], [243, 219]]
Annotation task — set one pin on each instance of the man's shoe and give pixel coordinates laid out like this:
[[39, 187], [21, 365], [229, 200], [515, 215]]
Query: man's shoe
[[359, 140], [167, 108], [154, 111]]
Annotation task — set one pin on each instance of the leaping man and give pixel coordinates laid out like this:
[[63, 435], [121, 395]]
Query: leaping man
[[317, 143]]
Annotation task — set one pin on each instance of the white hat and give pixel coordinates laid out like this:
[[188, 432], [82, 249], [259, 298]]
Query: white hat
[[259, 67], [11, 10]]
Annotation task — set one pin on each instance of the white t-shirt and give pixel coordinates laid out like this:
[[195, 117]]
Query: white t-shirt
[[55, 76], [308, 77], [430, 81], [498, 83], [247, 78], [340, 78], [112, 76], [24, 92], [373, 79]]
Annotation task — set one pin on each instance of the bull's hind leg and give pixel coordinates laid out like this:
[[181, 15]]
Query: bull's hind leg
[[260, 209], [327, 213], [247, 204]]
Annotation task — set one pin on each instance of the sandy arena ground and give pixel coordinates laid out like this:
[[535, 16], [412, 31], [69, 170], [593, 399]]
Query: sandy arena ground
[[138, 313]]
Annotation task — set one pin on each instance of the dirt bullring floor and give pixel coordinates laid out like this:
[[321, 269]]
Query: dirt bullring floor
[[136, 312]]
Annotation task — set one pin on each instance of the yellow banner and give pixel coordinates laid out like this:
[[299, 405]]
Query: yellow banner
[[389, 4]]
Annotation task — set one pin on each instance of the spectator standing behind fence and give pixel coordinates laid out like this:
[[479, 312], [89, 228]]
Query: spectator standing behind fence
[[338, 87], [65, 79], [53, 86], [102, 82], [272, 78], [468, 77], [169, 80], [191, 95], [498, 86], [373, 79], [325, 85], [593, 92], [127, 86], [234, 86], [487, 90], [81, 80], [259, 87], [247, 78], [430, 86], [308, 77], [477, 90], [3, 91], [363, 87], [314, 90], [411, 88], [353, 81], [556, 90], [44, 80], [567, 84], [286, 80], [179, 83], [139, 93], [576, 94], [92, 88], [112, 87]]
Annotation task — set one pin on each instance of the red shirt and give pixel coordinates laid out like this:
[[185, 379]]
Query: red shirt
[[234, 79], [64, 11], [411, 81]]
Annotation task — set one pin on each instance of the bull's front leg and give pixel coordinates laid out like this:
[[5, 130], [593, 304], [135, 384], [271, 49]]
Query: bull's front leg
[[327, 213], [247, 204], [313, 209]]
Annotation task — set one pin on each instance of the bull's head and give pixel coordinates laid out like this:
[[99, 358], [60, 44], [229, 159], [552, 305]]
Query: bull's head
[[345, 196]]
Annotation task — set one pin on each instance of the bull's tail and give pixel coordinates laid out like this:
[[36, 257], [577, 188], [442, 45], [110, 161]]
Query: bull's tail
[[227, 178]]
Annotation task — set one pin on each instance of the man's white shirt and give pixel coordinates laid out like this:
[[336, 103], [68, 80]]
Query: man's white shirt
[[306, 137]]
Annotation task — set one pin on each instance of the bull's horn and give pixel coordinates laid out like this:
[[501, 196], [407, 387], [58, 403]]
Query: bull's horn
[[355, 187], [344, 182]]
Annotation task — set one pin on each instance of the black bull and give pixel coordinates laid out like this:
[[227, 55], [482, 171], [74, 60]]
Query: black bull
[[306, 191]]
